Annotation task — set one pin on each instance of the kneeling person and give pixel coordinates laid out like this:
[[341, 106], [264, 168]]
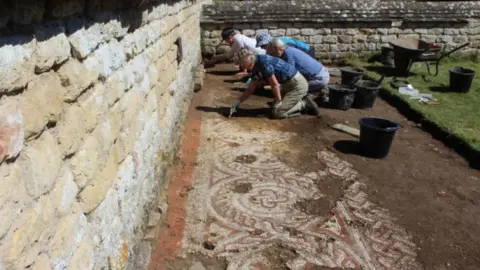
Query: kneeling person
[[315, 73], [263, 39], [288, 102], [236, 41]]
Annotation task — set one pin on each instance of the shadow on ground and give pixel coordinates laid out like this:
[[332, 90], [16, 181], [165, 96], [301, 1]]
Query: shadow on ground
[[223, 72], [237, 80], [389, 71], [259, 92], [232, 81], [443, 88], [347, 147], [225, 111]]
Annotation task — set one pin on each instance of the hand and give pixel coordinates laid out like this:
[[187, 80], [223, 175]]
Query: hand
[[234, 107], [241, 74], [277, 104]]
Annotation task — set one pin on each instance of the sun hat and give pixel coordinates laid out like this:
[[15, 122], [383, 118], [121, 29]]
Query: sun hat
[[263, 39]]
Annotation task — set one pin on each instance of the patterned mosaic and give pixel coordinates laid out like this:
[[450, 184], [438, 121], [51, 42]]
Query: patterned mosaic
[[244, 202]]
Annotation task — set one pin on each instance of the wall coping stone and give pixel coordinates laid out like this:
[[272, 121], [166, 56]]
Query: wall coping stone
[[339, 11]]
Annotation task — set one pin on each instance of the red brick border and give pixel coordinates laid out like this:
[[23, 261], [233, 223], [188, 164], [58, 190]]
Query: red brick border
[[180, 182]]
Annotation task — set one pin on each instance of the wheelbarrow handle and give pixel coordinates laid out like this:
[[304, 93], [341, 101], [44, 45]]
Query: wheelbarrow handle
[[454, 50], [437, 63]]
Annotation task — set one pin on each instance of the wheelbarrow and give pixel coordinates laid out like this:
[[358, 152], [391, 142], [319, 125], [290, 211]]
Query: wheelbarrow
[[410, 50]]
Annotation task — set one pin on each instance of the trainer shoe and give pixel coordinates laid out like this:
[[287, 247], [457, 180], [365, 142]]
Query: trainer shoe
[[311, 105]]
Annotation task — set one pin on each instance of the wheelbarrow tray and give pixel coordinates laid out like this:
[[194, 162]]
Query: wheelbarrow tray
[[430, 55], [410, 48]]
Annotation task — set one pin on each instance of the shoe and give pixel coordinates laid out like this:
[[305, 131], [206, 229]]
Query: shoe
[[311, 105], [293, 115]]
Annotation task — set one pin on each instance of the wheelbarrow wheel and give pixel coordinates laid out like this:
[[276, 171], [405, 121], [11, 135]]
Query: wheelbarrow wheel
[[437, 63]]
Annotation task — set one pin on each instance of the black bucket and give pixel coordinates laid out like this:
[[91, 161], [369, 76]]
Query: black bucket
[[366, 94], [340, 96], [401, 63], [461, 79], [350, 75], [387, 56], [376, 136]]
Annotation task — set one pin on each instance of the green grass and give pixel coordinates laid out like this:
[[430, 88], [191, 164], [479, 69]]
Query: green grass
[[458, 113]]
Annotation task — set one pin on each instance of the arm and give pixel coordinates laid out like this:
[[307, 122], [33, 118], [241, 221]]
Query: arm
[[288, 58], [242, 73], [246, 94], [272, 80], [234, 49], [218, 59], [261, 83]]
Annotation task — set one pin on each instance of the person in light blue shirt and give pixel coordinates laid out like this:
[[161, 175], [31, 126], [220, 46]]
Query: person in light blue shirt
[[315, 73], [263, 39]]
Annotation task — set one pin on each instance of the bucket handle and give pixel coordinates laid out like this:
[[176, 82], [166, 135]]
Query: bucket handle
[[391, 128], [381, 79], [354, 82]]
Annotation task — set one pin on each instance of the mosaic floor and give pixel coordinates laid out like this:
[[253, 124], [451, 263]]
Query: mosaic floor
[[244, 203]]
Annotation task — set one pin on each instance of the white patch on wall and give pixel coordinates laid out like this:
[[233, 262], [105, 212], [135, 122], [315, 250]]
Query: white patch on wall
[[127, 190], [106, 224]]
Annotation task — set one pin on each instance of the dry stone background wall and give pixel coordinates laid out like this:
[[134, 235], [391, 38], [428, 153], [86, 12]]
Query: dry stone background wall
[[339, 27], [92, 95], [332, 41]]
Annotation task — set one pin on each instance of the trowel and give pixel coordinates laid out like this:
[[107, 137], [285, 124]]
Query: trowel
[[232, 111]]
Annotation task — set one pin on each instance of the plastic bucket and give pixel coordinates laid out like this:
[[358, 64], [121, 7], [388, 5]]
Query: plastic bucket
[[366, 94], [350, 75], [376, 136], [387, 56], [340, 96], [461, 79], [401, 63]]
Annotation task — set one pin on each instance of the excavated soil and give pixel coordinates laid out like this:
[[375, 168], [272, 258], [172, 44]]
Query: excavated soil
[[242, 188], [246, 159], [431, 190], [191, 259], [278, 255], [333, 190]]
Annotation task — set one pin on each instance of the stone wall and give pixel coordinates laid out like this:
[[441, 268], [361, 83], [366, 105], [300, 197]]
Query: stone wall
[[337, 28], [92, 96]]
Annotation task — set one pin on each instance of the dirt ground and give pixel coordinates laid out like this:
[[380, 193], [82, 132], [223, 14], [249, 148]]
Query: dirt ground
[[427, 187], [431, 190], [192, 259]]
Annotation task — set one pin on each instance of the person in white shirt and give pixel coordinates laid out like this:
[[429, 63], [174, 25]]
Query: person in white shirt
[[237, 42]]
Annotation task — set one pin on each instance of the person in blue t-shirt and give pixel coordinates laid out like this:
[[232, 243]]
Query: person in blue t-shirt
[[264, 38], [315, 73], [291, 99]]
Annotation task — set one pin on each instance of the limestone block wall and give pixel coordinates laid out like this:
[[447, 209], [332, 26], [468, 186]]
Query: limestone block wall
[[92, 95], [336, 27]]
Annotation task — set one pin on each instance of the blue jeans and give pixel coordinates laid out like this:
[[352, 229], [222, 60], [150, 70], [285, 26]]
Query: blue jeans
[[319, 81]]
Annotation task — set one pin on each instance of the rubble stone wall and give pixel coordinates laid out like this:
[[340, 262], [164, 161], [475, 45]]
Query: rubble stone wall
[[92, 95], [339, 27]]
